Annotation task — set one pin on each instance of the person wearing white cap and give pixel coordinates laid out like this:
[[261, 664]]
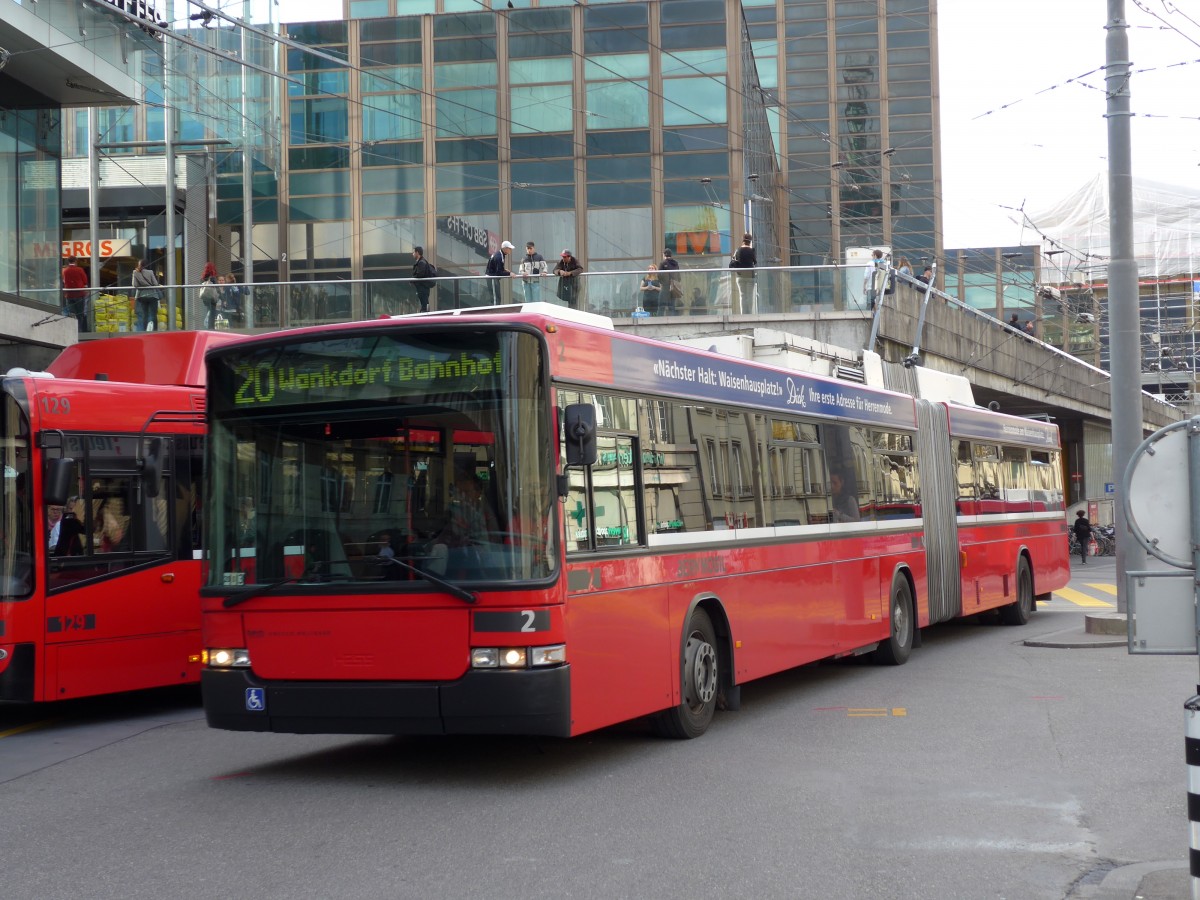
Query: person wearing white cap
[[496, 268]]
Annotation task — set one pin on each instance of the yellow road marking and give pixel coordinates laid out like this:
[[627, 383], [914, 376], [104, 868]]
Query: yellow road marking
[[30, 727], [876, 713], [1106, 588], [1081, 599]]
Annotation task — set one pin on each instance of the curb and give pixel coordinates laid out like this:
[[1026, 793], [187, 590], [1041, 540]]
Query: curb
[[1124, 883], [1073, 639]]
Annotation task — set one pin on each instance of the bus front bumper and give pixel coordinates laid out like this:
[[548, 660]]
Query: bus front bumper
[[526, 701]]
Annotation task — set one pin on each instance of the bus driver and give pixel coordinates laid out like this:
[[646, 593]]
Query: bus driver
[[469, 520]]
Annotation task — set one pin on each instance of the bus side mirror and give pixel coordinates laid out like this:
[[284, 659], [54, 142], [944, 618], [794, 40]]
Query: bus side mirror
[[60, 481], [152, 467], [580, 434]]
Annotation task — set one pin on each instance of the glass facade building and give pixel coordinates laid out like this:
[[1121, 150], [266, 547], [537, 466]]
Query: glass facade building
[[856, 82], [613, 129], [610, 129]]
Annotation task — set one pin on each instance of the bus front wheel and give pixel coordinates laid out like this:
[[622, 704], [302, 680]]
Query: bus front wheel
[[895, 650], [701, 681]]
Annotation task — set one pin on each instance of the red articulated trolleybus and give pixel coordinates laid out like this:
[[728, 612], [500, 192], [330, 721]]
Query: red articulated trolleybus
[[518, 520], [99, 518]]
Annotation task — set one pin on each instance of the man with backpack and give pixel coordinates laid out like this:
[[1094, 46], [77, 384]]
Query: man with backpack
[[1083, 534], [424, 273]]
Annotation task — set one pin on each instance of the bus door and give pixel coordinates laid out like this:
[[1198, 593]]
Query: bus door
[[122, 580]]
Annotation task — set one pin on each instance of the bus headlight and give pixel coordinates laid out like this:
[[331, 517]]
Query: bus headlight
[[485, 657], [554, 655], [221, 658], [517, 657]]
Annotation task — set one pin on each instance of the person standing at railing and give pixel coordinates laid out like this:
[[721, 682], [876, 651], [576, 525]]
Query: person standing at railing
[[649, 296], [147, 292], [568, 270], [874, 278], [904, 267], [423, 272], [210, 295], [533, 266], [669, 269], [75, 292], [496, 269], [231, 300], [745, 260]]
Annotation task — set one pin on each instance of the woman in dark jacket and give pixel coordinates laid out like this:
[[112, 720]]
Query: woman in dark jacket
[[568, 270]]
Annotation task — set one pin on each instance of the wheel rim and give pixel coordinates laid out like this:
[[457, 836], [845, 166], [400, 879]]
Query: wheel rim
[[702, 668], [900, 619]]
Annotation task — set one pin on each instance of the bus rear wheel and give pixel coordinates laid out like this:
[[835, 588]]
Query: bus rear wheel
[[895, 650], [1019, 611], [700, 684]]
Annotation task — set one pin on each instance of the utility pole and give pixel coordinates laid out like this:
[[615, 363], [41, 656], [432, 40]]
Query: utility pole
[[1124, 327]]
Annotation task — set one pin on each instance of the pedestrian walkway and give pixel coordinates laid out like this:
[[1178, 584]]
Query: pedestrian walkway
[[1099, 591]]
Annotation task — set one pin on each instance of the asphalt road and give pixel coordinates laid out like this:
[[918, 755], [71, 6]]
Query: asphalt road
[[984, 768]]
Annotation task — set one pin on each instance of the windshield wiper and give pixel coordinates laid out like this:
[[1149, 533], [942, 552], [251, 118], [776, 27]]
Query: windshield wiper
[[450, 588], [257, 592], [311, 576]]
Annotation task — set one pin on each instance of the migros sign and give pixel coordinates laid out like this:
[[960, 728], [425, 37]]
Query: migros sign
[[109, 247]]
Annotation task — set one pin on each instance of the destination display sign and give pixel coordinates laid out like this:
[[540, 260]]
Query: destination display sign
[[639, 367], [367, 368]]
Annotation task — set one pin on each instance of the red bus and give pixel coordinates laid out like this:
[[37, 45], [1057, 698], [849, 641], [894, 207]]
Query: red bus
[[99, 518], [525, 522]]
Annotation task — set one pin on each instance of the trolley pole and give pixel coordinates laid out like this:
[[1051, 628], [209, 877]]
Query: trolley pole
[[1124, 326]]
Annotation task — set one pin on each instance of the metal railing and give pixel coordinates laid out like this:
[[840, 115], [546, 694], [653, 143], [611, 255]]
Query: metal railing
[[768, 291]]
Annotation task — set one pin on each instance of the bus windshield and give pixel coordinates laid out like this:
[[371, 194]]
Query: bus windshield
[[369, 458], [16, 507]]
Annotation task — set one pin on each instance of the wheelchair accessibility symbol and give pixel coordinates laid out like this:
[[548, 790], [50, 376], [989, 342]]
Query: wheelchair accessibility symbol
[[256, 699]]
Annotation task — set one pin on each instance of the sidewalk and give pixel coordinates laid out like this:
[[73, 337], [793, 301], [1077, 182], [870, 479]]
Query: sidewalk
[[1164, 880], [1144, 881], [1091, 631]]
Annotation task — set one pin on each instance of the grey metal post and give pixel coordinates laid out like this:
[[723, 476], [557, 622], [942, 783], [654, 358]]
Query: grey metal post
[[1126, 385], [170, 299], [93, 213], [247, 178]]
